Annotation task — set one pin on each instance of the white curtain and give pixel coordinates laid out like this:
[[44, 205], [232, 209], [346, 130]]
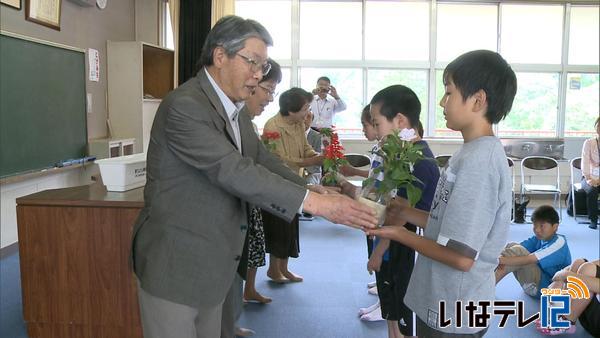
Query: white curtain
[[221, 8], [174, 14]]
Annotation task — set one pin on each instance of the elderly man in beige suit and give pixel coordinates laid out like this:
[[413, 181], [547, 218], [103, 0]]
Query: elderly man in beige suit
[[204, 164]]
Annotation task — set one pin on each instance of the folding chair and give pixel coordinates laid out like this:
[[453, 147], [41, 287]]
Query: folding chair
[[511, 165], [442, 160], [534, 165], [358, 160], [575, 167]]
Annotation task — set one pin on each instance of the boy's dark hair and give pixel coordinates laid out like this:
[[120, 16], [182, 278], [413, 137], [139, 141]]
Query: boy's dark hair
[[545, 213], [365, 115], [293, 99], [324, 78], [398, 99], [420, 129], [597, 122], [273, 74], [486, 70]]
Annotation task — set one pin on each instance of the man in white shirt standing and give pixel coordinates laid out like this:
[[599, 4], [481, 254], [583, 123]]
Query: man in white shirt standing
[[323, 106]]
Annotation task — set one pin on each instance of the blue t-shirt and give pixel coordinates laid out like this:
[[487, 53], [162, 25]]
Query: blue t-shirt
[[428, 173], [552, 255]]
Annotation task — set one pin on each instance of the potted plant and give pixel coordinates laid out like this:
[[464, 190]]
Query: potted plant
[[398, 155], [334, 157], [269, 139]]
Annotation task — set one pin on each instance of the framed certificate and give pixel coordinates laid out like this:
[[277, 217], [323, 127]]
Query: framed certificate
[[44, 12], [12, 3]]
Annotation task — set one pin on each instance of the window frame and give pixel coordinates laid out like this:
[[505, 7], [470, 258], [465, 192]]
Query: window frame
[[433, 65]]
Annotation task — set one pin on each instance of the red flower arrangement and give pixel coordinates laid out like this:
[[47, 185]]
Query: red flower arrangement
[[268, 139], [334, 156]]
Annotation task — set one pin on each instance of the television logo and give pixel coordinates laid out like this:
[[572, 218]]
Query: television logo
[[555, 303]]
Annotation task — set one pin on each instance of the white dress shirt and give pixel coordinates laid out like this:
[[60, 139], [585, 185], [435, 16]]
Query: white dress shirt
[[232, 110], [324, 110]]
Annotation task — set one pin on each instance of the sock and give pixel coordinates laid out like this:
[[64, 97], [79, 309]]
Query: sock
[[365, 310], [372, 316]]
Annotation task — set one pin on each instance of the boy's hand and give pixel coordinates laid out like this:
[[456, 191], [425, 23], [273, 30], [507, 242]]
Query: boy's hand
[[395, 210], [347, 170], [391, 232], [374, 263]]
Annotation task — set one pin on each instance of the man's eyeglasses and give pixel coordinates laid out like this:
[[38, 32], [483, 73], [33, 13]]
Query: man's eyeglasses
[[255, 66], [269, 91]]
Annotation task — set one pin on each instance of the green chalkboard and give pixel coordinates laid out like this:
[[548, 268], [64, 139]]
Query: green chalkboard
[[42, 105]]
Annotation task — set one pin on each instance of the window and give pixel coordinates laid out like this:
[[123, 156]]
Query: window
[[348, 83], [534, 110], [386, 41], [330, 30], [531, 33], [583, 36], [414, 79], [275, 16], [367, 45], [582, 105], [459, 35]]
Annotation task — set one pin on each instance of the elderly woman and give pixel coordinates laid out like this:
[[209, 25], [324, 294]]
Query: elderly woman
[[255, 105], [282, 238]]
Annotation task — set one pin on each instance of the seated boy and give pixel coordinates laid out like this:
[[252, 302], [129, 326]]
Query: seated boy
[[535, 260]]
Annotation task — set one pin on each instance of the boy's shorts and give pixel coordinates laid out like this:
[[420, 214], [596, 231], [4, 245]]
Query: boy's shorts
[[590, 318], [528, 275], [392, 283]]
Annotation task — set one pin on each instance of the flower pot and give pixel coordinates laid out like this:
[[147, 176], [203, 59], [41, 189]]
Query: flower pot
[[378, 207]]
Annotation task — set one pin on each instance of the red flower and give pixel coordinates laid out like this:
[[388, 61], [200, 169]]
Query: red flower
[[271, 135]]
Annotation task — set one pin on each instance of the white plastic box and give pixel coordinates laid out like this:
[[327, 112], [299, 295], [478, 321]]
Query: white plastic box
[[123, 173]]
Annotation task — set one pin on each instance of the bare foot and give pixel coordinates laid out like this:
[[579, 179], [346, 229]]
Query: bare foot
[[254, 296], [243, 332], [277, 277], [292, 276]]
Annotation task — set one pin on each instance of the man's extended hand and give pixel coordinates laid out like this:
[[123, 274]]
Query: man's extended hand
[[340, 209]]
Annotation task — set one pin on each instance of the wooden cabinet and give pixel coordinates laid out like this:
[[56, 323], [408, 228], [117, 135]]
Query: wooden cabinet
[[76, 278], [139, 76], [108, 148]]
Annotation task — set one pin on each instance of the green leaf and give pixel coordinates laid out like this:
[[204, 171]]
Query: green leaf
[[413, 193]]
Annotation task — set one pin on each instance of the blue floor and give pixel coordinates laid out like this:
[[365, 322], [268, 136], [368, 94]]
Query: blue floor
[[333, 264]]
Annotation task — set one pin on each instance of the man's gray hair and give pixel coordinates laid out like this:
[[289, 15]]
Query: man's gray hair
[[231, 33]]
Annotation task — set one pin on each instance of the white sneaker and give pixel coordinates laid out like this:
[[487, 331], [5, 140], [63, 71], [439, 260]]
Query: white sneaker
[[371, 284], [373, 291]]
